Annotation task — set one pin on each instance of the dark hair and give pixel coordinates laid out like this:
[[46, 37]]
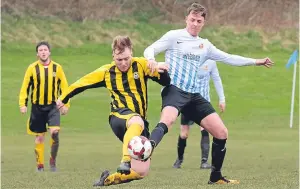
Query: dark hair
[[42, 43], [197, 8], [120, 43]]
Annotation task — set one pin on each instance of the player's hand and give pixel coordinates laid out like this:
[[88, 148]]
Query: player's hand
[[152, 65], [59, 104], [162, 67], [64, 110], [222, 106], [267, 62], [23, 109]]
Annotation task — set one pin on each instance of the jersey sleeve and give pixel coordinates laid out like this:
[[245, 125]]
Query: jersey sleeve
[[25, 88], [94, 79], [217, 83], [234, 60], [159, 46], [64, 82], [161, 78]]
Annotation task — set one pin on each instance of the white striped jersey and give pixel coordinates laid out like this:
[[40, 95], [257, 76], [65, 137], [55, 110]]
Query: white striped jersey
[[186, 54]]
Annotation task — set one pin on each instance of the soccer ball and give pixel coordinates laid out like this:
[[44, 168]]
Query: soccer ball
[[139, 148]]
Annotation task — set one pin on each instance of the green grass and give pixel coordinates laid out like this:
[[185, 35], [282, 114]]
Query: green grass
[[262, 149]]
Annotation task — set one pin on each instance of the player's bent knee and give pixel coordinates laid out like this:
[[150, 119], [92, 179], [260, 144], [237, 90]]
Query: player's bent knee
[[135, 120], [141, 168], [54, 136], [215, 126], [184, 135], [184, 131], [169, 115], [39, 139], [222, 133], [53, 131]]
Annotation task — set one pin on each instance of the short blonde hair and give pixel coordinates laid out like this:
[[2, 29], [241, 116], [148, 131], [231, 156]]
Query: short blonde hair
[[120, 43], [197, 8]]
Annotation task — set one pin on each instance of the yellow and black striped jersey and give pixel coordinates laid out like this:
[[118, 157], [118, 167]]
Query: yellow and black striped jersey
[[127, 89], [46, 84]]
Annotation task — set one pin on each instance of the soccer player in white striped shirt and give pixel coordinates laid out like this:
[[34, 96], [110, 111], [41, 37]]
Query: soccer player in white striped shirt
[[208, 70], [185, 52]]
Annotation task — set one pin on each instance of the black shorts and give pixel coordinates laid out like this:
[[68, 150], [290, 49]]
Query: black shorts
[[40, 116], [118, 122], [192, 105], [185, 120]]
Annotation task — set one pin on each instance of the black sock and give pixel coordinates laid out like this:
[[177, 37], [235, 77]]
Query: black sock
[[204, 146], [218, 155], [180, 147], [158, 133]]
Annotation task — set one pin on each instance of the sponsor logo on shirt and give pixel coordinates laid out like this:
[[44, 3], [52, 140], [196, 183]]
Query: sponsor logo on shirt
[[136, 75], [191, 56]]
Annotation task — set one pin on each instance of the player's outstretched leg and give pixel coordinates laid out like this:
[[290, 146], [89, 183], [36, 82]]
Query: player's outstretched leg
[[168, 117]]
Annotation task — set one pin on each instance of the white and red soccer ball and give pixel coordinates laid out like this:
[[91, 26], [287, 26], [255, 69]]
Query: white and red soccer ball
[[139, 148]]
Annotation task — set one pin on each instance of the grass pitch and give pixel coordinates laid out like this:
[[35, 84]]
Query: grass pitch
[[262, 149]]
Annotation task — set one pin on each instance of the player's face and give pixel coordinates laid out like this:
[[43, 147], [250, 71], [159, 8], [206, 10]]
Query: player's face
[[194, 23], [43, 53], [123, 60]]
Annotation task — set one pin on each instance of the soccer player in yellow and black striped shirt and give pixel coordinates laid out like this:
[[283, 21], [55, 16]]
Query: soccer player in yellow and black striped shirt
[[126, 79], [47, 80]]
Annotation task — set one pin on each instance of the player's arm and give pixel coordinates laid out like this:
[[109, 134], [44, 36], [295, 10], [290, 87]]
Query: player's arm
[[162, 78], [64, 83], [25, 88], [214, 74], [159, 46], [160, 74], [234, 60], [94, 79]]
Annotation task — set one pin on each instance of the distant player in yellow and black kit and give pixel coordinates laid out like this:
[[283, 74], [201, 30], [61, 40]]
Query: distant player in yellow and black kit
[[126, 79], [47, 80]]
